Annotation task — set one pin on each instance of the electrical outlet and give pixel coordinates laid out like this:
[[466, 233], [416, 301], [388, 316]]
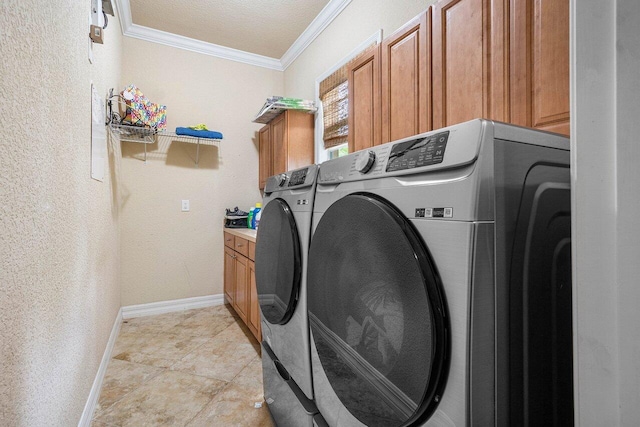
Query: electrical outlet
[[185, 206]]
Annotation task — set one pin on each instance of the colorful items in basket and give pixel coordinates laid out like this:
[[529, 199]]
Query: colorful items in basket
[[141, 111]]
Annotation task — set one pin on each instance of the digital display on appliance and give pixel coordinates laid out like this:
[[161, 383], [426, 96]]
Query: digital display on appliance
[[418, 152], [298, 177]]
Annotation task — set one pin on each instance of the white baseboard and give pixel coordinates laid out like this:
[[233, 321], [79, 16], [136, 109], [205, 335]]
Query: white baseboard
[[94, 394], [161, 307]]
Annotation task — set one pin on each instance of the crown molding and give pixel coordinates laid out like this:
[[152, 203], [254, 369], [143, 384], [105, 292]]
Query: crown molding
[[320, 22], [198, 46]]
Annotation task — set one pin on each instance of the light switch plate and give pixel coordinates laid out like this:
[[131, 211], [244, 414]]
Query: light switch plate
[[185, 206]]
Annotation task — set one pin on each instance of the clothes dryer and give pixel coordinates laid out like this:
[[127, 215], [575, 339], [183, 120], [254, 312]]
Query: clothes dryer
[[282, 245], [439, 281]]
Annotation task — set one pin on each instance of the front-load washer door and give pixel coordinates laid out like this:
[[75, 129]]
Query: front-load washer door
[[377, 313], [278, 263]]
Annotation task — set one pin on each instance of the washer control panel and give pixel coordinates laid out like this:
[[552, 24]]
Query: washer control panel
[[298, 177], [292, 180]]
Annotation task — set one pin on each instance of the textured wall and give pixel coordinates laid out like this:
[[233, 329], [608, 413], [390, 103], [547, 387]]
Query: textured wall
[[343, 35], [59, 244], [168, 254]]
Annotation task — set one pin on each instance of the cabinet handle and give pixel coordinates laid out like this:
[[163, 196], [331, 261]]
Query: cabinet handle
[[239, 245]]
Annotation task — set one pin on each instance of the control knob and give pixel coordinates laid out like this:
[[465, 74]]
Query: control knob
[[365, 161], [282, 178]]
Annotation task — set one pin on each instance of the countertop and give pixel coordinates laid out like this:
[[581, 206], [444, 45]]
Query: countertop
[[245, 233]]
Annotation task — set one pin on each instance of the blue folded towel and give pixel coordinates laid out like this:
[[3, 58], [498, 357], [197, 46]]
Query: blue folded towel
[[211, 134]]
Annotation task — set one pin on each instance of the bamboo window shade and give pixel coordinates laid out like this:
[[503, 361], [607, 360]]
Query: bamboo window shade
[[334, 95]]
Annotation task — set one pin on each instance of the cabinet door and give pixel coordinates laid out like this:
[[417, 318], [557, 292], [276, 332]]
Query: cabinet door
[[241, 297], [265, 160], [229, 274], [279, 142], [254, 306], [364, 101], [406, 92], [540, 64], [299, 139], [468, 49]]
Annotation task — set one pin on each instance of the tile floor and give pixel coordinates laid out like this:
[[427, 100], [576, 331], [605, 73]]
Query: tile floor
[[192, 368]]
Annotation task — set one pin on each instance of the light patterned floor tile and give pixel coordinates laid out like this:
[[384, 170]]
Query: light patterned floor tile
[[122, 378], [214, 375], [234, 406], [144, 359], [156, 324], [171, 398], [164, 346], [218, 358], [251, 375]]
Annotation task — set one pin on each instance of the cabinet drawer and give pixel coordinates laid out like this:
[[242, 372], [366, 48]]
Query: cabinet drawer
[[229, 240], [241, 246], [252, 251]]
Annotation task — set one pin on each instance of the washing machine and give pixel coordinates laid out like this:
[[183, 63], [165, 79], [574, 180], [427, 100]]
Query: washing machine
[[439, 281], [282, 246]]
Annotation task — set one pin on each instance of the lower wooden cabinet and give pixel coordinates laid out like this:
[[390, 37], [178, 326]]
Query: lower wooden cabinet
[[229, 274], [241, 298], [253, 320], [240, 281]]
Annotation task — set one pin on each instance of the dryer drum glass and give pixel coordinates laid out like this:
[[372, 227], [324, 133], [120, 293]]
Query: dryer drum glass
[[375, 312], [278, 262]]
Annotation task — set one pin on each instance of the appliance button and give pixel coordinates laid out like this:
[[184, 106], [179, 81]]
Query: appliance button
[[282, 178], [365, 161]]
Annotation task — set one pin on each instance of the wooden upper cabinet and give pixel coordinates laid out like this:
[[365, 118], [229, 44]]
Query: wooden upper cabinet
[[405, 74], [364, 101], [280, 144], [540, 64], [265, 160], [469, 61], [286, 143]]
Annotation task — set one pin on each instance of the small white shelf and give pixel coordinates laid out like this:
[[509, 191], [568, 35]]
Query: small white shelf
[[273, 111], [172, 136]]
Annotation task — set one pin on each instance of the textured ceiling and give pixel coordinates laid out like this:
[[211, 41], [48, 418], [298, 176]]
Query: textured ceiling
[[263, 27]]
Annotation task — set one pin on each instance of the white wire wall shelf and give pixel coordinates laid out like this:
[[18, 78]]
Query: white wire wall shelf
[[141, 135], [137, 134], [172, 136]]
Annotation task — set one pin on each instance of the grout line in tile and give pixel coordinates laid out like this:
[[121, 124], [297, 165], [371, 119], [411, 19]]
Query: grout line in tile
[[208, 403]]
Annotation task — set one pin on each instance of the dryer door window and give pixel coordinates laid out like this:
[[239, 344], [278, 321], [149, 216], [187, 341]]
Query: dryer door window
[[377, 313], [278, 262]]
